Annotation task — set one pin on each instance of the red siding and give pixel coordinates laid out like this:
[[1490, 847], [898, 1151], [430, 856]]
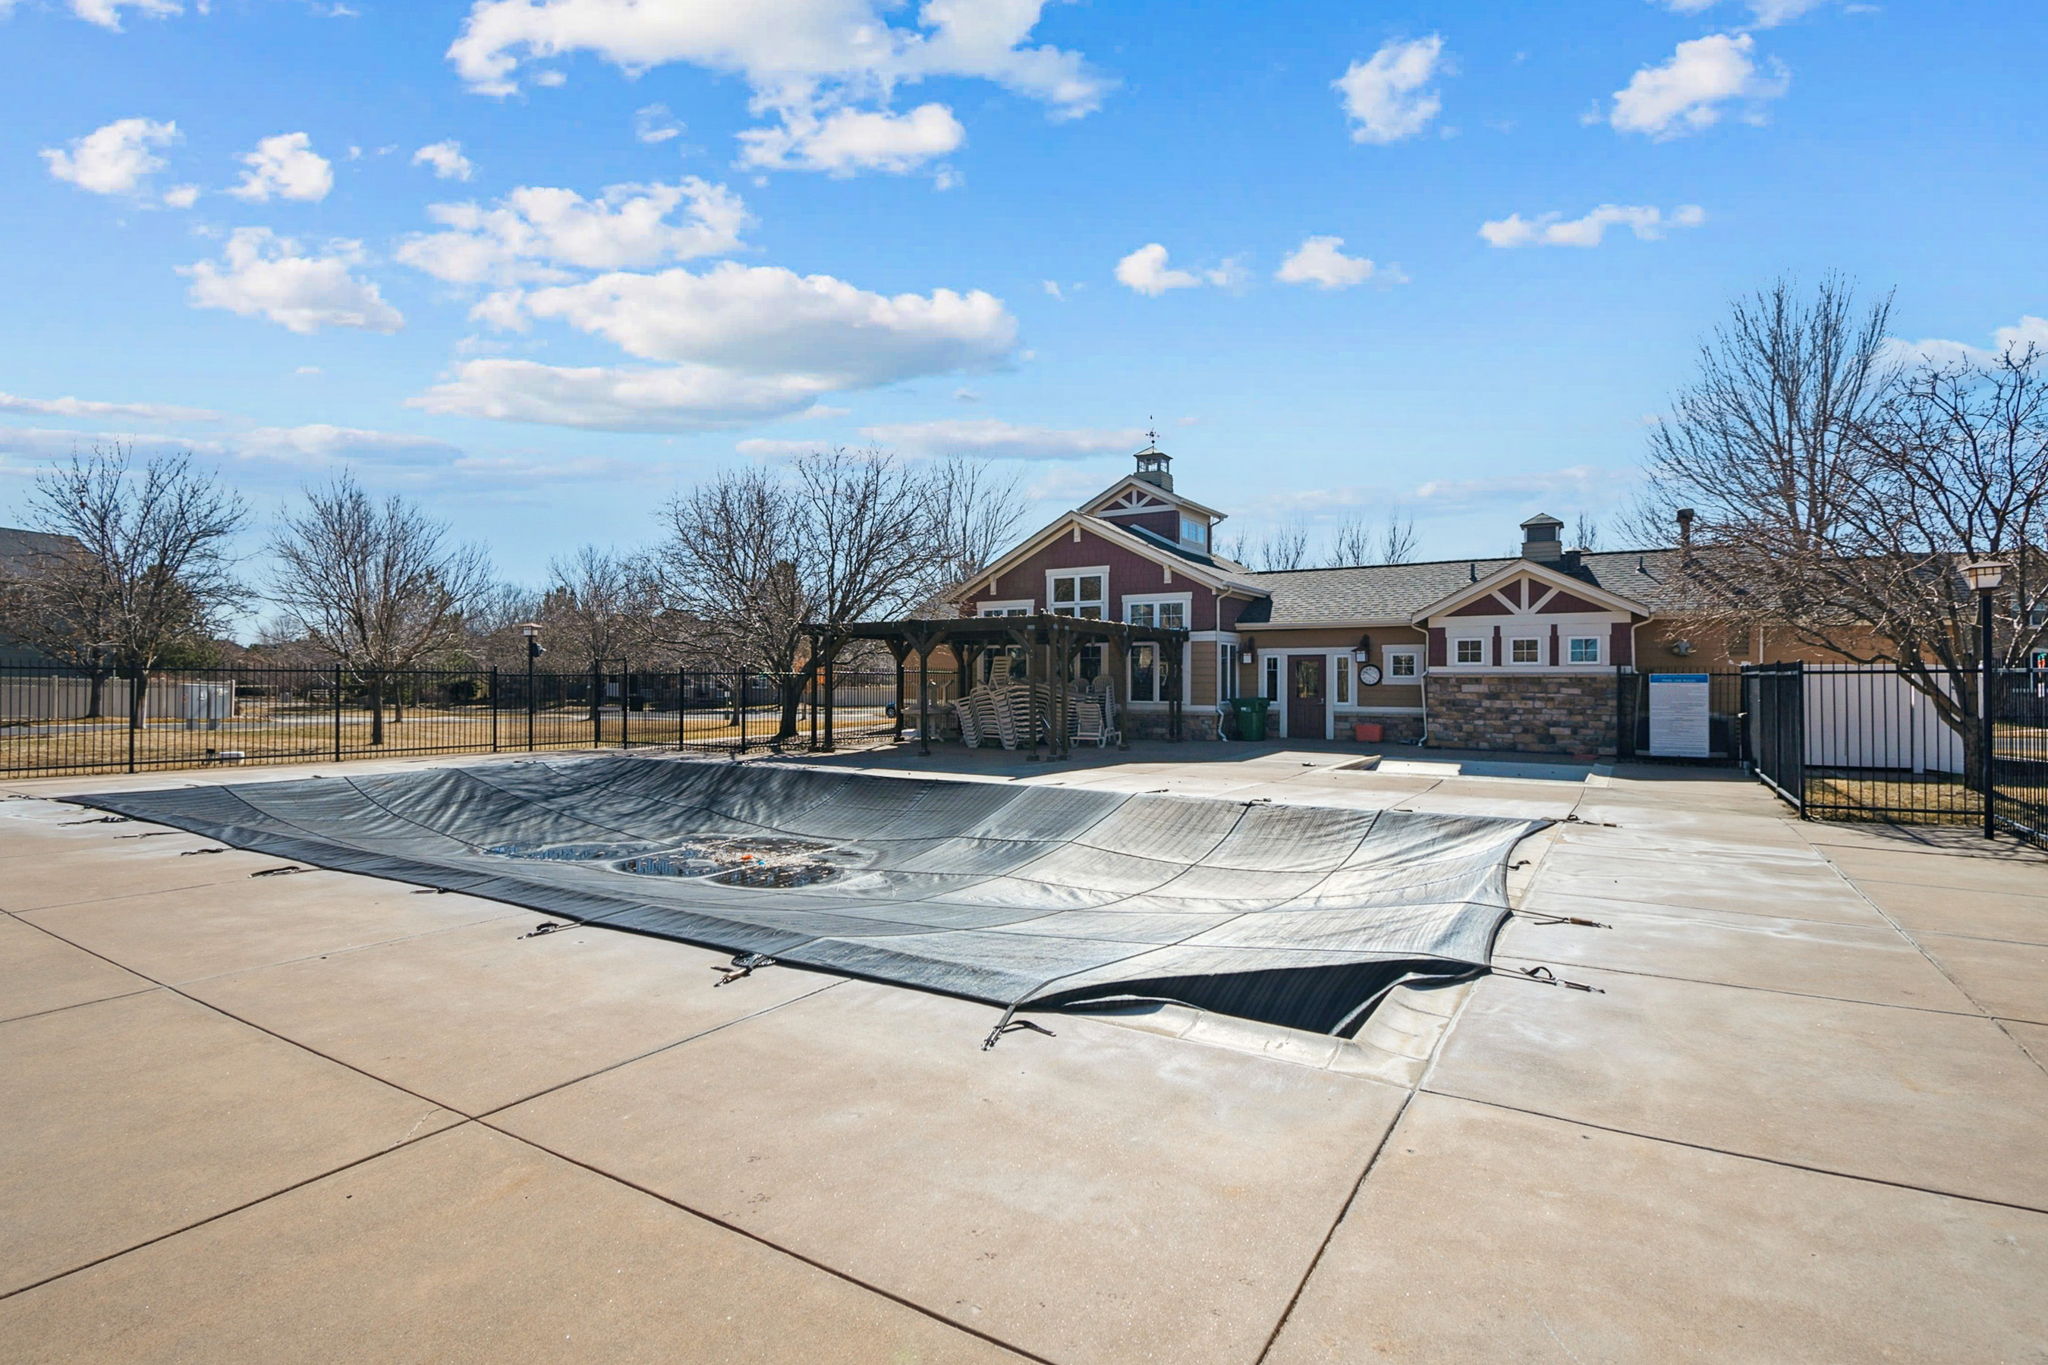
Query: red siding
[[1565, 602], [1621, 644], [1129, 573], [1439, 651], [1489, 605]]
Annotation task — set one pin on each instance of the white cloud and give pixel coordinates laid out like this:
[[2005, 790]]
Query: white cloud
[[2029, 331], [447, 160], [319, 443], [618, 398], [1763, 13], [826, 69], [1321, 262], [653, 123], [1686, 94], [1387, 96], [1146, 271], [797, 46], [534, 233], [733, 344], [765, 320], [991, 439], [181, 196], [287, 167], [86, 407], [114, 159], [1553, 229], [849, 140], [107, 13], [263, 274], [293, 447]]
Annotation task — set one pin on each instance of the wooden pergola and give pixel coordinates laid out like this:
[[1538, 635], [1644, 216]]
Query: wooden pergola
[[1051, 646]]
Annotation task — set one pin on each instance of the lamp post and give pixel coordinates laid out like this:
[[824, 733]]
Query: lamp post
[[531, 630], [1985, 576]]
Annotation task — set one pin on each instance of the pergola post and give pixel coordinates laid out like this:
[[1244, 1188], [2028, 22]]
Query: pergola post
[[924, 697], [897, 650]]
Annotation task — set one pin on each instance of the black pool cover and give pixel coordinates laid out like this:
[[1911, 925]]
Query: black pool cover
[[1014, 895]]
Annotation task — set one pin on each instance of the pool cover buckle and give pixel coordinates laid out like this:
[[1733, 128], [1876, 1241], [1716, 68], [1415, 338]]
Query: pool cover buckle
[[743, 964]]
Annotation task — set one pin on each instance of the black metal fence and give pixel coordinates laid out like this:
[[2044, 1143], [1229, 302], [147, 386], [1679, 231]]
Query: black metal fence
[[1721, 741], [1861, 743], [54, 721]]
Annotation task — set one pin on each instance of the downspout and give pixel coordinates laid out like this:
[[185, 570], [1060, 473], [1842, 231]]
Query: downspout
[[1424, 740]]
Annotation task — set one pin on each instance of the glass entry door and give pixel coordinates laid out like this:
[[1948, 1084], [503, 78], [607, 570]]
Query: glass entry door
[[1307, 699]]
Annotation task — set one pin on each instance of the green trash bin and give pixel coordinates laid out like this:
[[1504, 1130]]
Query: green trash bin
[[1251, 717]]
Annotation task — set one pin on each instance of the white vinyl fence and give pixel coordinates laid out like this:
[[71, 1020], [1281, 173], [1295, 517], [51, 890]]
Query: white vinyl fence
[[31, 698], [1873, 718]]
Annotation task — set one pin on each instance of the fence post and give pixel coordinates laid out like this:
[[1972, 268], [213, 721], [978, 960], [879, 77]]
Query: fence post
[[494, 708], [138, 698], [337, 713], [741, 682], [682, 691], [626, 708]]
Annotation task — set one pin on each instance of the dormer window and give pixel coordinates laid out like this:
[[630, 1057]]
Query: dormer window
[[1194, 531]]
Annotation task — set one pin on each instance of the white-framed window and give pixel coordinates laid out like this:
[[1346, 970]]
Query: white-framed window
[[1171, 612], [1272, 677], [1524, 649], [1470, 651], [1017, 607], [1340, 677], [1585, 649], [1227, 657], [1150, 678], [1404, 663], [1080, 592], [1195, 532]]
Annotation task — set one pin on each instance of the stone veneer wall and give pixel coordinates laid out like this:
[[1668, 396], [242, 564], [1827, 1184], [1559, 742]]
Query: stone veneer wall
[[1570, 713]]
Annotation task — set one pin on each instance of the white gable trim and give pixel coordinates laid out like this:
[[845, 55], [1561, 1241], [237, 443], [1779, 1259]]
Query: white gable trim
[[1541, 573], [1151, 492]]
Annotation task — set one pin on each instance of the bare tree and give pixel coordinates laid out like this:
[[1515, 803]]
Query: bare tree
[[1285, 547], [757, 555], [1390, 540], [1837, 495], [598, 606], [1585, 532], [976, 512], [1397, 539], [376, 585], [144, 567], [1352, 543]]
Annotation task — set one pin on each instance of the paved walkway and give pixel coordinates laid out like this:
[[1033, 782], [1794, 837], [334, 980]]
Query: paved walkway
[[319, 1117]]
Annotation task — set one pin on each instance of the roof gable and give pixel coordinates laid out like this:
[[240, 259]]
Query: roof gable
[[1501, 593], [1131, 496]]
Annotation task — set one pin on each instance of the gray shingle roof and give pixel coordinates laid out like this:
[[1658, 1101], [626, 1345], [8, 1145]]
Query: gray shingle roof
[[19, 548], [1379, 592]]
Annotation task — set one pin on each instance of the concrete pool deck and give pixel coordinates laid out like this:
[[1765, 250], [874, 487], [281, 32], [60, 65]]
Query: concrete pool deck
[[322, 1117]]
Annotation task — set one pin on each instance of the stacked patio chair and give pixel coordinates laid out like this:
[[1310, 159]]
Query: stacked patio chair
[[970, 720]]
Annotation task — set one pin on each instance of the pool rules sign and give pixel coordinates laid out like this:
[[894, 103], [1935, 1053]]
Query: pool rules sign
[[1678, 715]]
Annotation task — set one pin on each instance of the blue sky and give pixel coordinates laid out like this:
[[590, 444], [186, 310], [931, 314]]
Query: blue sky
[[650, 240]]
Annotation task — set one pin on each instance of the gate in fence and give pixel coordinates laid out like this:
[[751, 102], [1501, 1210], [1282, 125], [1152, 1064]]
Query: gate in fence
[[55, 721], [1850, 742]]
